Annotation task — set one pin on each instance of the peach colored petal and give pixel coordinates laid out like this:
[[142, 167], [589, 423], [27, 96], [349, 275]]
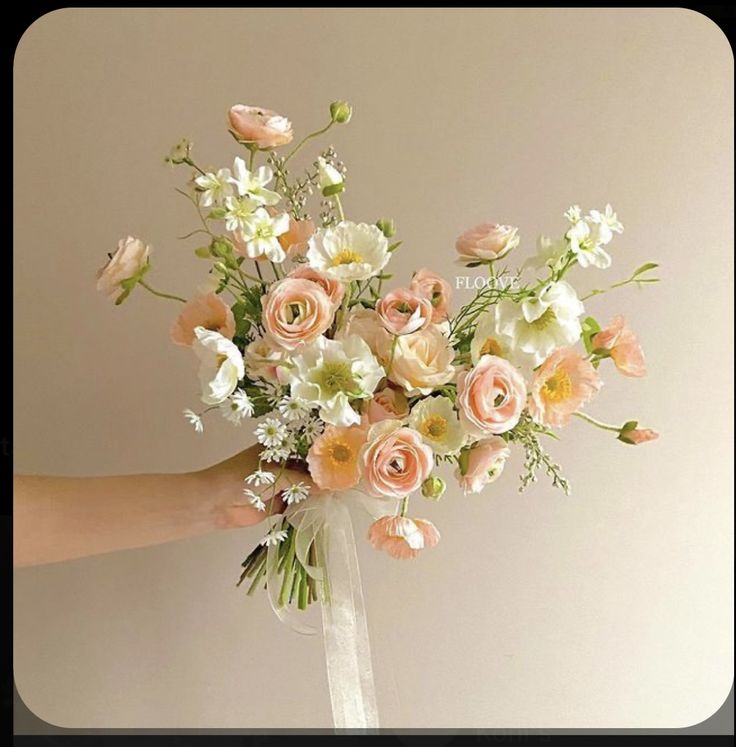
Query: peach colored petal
[[562, 384], [333, 458], [208, 311], [490, 396], [403, 311], [641, 436], [264, 127], [288, 328], [485, 463], [387, 404], [434, 287], [296, 240], [623, 346], [334, 289]]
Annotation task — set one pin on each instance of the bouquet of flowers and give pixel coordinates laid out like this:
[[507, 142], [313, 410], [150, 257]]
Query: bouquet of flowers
[[371, 392]]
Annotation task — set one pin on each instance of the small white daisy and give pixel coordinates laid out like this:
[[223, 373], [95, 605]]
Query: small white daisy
[[260, 477], [230, 412], [274, 538], [271, 432], [312, 429], [195, 420], [273, 392], [296, 493], [275, 454], [254, 499], [243, 403], [293, 409]]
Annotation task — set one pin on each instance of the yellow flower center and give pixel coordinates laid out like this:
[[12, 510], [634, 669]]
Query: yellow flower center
[[340, 452], [335, 378], [491, 347], [545, 320], [557, 387], [434, 427], [346, 257]]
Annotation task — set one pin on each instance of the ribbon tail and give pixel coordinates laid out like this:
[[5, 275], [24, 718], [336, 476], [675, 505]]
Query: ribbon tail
[[347, 648]]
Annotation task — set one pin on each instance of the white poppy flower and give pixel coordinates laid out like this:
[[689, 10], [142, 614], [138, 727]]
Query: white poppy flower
[[539, 325], [221, 365], [330, 373], [436, 421], [349, 251]]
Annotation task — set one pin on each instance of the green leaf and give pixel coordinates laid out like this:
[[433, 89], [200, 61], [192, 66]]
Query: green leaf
[[644, 268], [590, 328], [629, 425], [217, 213], [333, 189], [393, 247], [203, 252]]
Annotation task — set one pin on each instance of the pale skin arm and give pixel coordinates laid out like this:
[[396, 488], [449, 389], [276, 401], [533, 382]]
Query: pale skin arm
[[61, 518]]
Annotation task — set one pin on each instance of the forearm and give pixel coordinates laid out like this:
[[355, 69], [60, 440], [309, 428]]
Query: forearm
[[59, 518]]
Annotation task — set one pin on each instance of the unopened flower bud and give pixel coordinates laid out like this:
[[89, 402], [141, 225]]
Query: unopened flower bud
[[341, 112], [387, 227], [330, 179], [433, 487]]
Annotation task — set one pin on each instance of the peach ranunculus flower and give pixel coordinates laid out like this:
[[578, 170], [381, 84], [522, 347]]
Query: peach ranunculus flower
[[623, 347], [490, 396], [395, 461], [402, 311], [636, 436], [402, 537], [263, 357], [208, 311], [333, 288], [366, 324], [129, 259], [419, 362], [296, 311], [563, 383], [485, 462], [430, 285], [486, 242], [333, 458], [263, 127], [296, 240], [388, 404]]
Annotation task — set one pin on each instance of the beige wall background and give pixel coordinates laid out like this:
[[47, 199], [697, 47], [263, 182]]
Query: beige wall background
[[610, 608]]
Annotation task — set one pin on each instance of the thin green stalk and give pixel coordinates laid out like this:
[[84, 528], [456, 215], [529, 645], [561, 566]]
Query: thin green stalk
[[311, 135], [160, 294], [598, 423], [339, 206], [258, 577]]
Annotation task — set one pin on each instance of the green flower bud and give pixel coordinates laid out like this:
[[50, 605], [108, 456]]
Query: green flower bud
[[433, 487], [341, 112], [387, 227]]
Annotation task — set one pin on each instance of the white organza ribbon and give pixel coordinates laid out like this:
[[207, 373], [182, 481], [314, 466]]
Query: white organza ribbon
[[324, 520]]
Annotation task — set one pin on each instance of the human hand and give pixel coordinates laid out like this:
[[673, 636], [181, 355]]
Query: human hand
[[225, 482]]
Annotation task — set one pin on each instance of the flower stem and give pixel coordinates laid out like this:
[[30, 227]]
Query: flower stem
[[161, 294], [597, 423], [404, 506], [339, 206], [304, 140]]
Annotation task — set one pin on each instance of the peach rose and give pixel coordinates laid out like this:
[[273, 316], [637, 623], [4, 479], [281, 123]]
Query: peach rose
[[262, 359], [402, 537], [490, 396], [296, 311], [333, 288], [486, 242], [563, 383], [265, 128], [395, 460], [208, 311], [366, 324], [129, 259], [402, 311], [419, 362], [485, 463], [429, 285], [637, 436], [388, 404], [333, 458], [295, 241], [623, 347]]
